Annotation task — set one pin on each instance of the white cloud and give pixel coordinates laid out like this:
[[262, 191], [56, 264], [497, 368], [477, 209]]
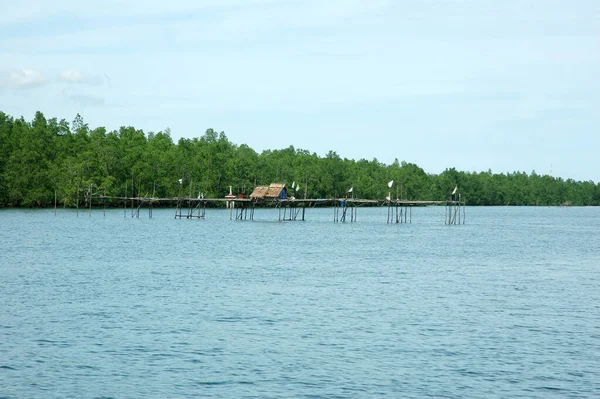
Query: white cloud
[[71, 75], [21, 78]]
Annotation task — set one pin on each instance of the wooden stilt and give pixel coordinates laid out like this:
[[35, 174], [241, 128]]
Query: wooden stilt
[[77, 200], [90, 200], [388, 213], [125, 201], [132, 195]]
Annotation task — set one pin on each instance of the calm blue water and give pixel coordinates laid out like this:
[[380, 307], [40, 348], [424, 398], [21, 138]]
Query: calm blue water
[[507, 305]]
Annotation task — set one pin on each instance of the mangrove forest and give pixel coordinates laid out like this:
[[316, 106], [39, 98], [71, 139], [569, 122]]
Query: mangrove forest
[[47, 158]]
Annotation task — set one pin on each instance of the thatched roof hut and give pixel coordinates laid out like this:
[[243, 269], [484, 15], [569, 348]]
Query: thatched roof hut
[[274, 190]]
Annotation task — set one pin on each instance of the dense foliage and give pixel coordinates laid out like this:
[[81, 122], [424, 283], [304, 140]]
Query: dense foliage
[[46, 156]]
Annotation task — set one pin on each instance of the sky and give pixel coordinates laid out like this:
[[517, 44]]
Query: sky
[[478, 85]]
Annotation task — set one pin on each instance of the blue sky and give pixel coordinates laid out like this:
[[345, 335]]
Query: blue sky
[[477, 85]]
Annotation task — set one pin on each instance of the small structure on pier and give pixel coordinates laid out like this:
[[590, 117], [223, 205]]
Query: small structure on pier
[[230, 198], [273, 191]]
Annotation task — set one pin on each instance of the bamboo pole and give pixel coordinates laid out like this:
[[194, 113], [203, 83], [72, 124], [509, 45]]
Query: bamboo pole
[[125, 201], [190, 211], [132, 194], [459, 212], [77, 204]]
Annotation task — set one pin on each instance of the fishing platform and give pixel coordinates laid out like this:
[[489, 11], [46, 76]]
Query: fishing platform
[[345, 209]]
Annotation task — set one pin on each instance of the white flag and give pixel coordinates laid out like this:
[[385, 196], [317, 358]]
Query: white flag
[[351, 188], [390, 183], [455, 188], [297, 187], [293, 184], [180, 181]]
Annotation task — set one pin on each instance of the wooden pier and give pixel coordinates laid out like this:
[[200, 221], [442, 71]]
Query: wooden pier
[[345, 209], [289, 209]]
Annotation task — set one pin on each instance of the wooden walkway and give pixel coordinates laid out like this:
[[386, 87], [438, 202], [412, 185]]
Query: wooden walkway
[[276, 201], [290, 209]]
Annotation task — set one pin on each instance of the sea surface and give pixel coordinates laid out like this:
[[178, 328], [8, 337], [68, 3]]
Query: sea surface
[[110, 306]]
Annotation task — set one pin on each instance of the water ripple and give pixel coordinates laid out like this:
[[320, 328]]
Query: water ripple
[[506, 306]]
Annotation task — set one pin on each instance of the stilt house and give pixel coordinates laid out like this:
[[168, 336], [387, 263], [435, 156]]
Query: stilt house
[[272, 192]]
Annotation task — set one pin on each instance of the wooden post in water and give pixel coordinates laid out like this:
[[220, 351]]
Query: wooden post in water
[[125, 202], [445, 212], [132, 194], [77, 204], [458, 208], [190, 211], [90, 199], [456, 211]]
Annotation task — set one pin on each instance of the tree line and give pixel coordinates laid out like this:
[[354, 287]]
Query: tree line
[[48, 157]]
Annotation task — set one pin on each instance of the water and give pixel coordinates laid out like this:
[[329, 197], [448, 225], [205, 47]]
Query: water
[[507, 305]]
